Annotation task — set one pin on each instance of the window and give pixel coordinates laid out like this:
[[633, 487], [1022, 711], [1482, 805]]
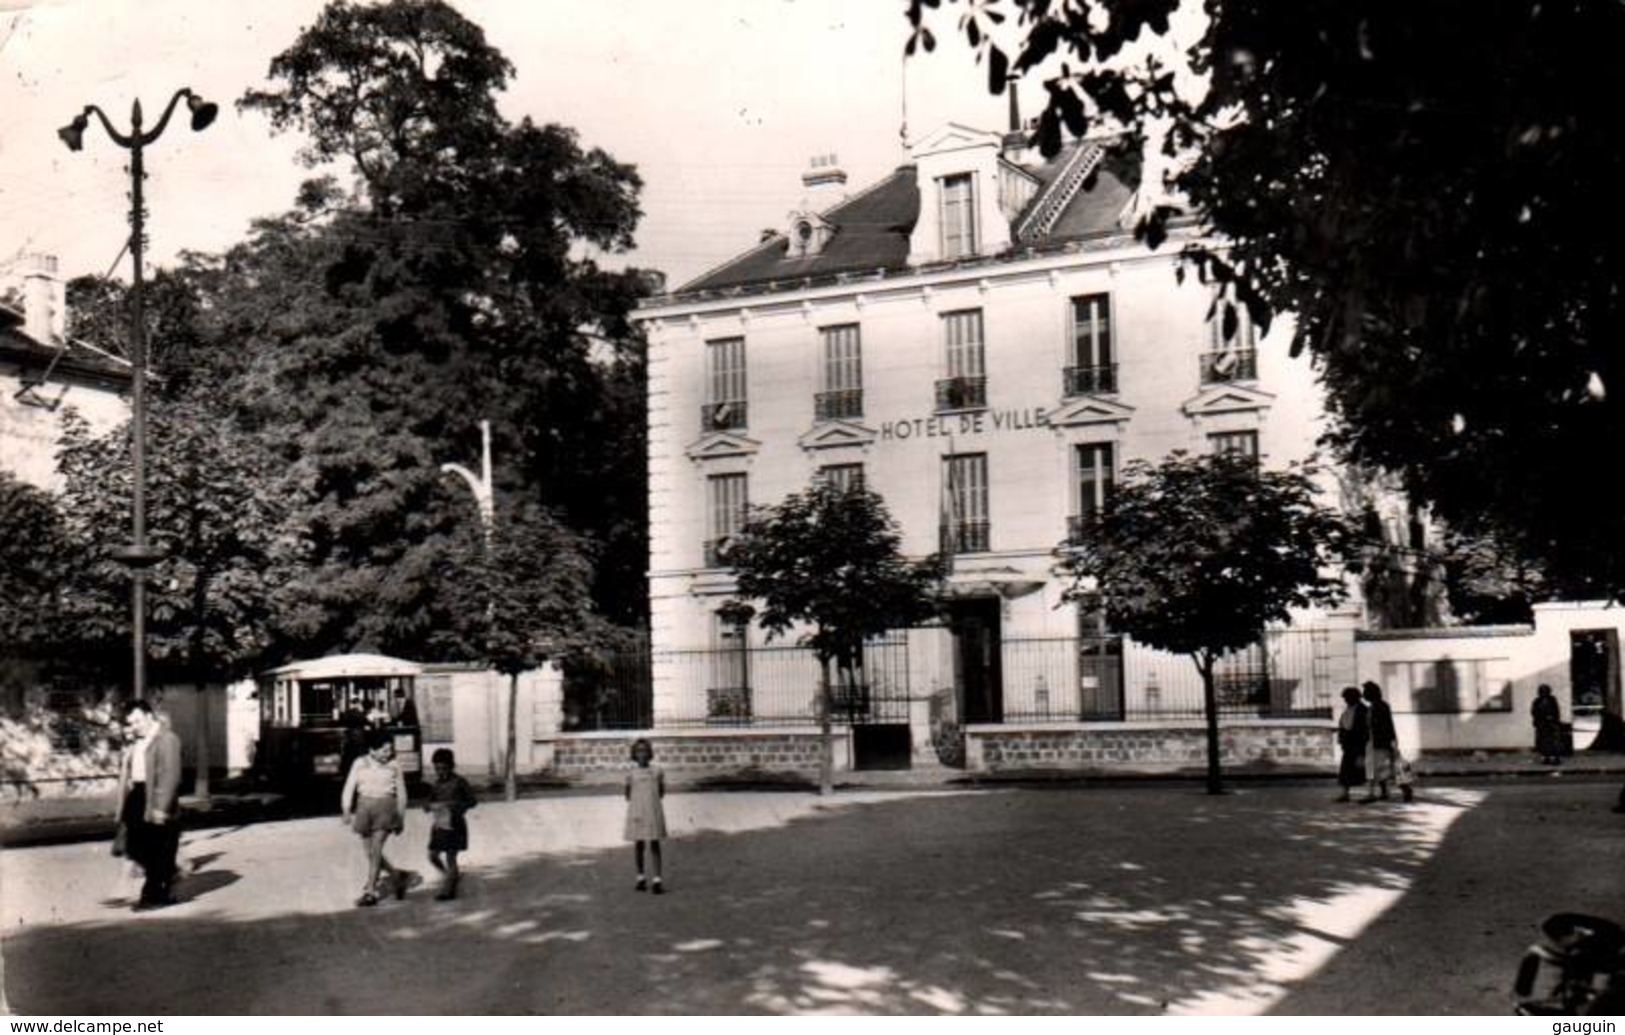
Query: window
[[1447, 686], [1094, 476], [1230, 359], [725, 385], [965, 387], [958, 216], [842, 395], [1090, 366], [965, 527], [727, 513], [727, 699], [1240, 443], [842, 476]]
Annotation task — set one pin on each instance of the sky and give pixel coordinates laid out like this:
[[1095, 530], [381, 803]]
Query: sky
[[720, 104]]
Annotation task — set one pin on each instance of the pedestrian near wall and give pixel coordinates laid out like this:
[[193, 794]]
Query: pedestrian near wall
[[149, 798], [1353, 733], [1382, 755], [1548, 720], [450, 798], [645, 815]]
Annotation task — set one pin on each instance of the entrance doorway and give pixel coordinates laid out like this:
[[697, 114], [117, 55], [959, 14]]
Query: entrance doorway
[[1593, 680], [978, 653]]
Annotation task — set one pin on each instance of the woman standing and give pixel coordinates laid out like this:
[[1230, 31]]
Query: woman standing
[[1353, 732], [1548, 718], [1384, 749]]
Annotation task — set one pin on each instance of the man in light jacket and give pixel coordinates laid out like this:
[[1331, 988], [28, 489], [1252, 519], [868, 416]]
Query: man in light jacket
[[148, 792]]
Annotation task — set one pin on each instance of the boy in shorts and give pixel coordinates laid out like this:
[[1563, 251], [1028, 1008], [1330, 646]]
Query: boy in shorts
[[373, 803]]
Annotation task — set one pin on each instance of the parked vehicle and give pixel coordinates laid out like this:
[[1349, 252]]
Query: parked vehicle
[[314, 718]]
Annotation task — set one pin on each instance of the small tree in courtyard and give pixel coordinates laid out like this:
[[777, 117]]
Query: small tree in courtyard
[[525, 598], [829, 558], [1196, 555]]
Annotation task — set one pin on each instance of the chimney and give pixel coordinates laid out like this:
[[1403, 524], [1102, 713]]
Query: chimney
[[825, 183], [1015, 138], [45, 308]]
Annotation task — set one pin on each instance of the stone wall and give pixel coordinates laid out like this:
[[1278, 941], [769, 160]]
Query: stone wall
[[692, 753], [1160, 749]]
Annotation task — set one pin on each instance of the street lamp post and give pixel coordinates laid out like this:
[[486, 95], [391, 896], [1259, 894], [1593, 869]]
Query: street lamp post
[[138, 555]]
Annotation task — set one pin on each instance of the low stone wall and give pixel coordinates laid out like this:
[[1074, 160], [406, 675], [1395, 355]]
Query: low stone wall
[[1148, 749], [691, 753]]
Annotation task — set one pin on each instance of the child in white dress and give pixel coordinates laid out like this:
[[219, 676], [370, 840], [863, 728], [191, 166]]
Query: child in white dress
[[645, 816]]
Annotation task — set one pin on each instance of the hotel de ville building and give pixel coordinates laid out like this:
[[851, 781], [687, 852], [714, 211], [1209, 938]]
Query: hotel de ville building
[[979, 338]]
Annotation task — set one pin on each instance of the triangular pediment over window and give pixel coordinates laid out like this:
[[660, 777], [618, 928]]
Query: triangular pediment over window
[[834, 434], [952, 136], [719, 444], [1227, 398], [1089, 410]]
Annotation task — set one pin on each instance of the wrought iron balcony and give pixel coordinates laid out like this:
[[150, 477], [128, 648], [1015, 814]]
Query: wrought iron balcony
[[840, 404], [722, 416], [966, 537], [728, 705], [1098, 379], [1229, 365], [716, 552], [962, 393]]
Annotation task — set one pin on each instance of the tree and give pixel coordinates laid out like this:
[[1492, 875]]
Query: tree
[[218, 507], [524, 594], [454, 283], [34, 559], [828, 557], [1197, 555], [1417, 184]]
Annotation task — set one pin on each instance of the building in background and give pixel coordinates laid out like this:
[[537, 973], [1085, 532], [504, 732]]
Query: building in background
[[979, 338]]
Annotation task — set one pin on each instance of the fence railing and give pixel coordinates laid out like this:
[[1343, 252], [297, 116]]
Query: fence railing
[[1060, 679]]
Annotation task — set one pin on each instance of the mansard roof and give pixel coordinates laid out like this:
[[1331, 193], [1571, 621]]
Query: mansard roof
[[1083, 194]]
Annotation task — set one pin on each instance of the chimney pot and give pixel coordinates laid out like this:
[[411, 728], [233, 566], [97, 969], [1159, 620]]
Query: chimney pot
[[45, 310]]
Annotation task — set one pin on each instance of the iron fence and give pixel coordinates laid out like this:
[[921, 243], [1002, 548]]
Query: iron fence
[[778, 686]]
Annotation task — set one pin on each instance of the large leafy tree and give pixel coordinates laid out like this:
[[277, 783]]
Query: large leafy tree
[[1418, 185], [217, 506], [34, 558], [1196, 555], [828, 560], [453, 283]]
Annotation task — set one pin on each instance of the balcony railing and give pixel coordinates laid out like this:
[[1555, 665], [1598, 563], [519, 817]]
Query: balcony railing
[[715, 552], [728, 706], [1091, 380], [722, 416], [962, 393], [1078, 527], [840, 404], [1229, 365], [966, 537]]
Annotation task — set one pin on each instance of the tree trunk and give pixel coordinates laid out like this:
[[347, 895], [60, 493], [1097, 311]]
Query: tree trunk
[[1210, 706], [200, 787], [510, 776], [826, 750]]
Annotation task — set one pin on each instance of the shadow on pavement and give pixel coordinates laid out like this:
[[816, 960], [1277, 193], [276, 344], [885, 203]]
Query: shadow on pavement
[[1008, 902]]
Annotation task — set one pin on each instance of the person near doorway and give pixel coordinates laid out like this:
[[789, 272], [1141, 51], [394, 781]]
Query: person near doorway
[[1353, 731], [1382, 755], [148, 794], [1548, 719]]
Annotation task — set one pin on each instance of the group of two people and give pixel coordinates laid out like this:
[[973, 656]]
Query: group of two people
[[1369, 745]]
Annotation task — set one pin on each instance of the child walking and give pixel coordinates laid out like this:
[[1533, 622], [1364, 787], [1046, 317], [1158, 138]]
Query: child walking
[[374, 804], [645, 816], [449, 799]]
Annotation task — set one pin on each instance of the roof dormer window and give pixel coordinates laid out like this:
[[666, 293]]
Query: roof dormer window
[[808, 235], [958, 194]]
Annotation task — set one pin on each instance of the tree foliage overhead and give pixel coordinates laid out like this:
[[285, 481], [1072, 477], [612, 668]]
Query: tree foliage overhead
[[1419, 186], [1197, 555]]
